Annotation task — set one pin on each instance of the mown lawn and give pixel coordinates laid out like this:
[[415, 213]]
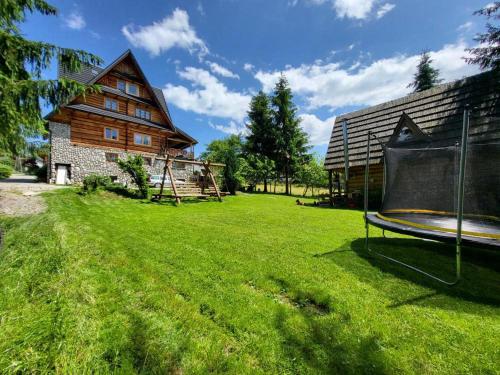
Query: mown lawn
[[253, 285]]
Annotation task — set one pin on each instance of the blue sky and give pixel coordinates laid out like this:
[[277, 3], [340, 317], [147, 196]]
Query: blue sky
[[211, 56]]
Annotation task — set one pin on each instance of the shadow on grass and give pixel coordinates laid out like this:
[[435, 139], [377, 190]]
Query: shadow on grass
[[320, 344], [480, 272]]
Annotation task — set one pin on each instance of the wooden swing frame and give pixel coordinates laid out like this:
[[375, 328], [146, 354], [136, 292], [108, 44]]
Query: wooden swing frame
[[207, 172]]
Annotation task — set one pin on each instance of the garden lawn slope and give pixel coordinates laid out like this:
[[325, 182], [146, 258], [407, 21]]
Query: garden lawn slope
[[252, 285]]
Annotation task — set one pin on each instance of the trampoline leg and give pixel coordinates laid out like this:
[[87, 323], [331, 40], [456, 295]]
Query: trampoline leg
[[413, 268]]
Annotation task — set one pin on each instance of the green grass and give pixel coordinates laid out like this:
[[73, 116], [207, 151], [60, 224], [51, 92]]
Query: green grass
[[255, 284]]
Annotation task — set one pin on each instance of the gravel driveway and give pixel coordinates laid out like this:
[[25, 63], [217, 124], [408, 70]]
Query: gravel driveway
[[19, 195]]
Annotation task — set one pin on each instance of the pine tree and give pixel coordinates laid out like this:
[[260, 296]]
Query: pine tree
[[426, 76], [291, 141], [21, 65], [261, 140], [487, 55]]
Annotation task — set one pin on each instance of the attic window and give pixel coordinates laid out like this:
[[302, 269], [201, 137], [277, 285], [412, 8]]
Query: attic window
[[405, 134]]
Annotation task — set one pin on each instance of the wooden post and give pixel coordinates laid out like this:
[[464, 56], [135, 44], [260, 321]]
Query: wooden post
[[212, 179], [330, 187], [168, 163], [163, 179]]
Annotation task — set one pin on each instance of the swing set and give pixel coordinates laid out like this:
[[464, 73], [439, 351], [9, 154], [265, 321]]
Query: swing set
[[203, 188]]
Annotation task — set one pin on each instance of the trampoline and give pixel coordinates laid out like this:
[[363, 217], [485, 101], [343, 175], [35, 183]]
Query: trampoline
[[447, 194]]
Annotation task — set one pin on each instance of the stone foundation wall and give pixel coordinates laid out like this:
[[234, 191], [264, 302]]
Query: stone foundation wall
[[85, 160]]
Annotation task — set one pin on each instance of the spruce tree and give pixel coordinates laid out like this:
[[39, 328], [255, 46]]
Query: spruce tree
[[291, 141], [487, 54], [22, 91], [261, 140], [426, 76]]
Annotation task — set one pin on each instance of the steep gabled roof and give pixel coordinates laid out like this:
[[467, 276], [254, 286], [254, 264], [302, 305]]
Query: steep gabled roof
[[92, 74]]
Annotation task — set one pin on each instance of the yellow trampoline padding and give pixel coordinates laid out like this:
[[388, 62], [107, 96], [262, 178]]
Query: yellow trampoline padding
[[432, 212], [432, 227]]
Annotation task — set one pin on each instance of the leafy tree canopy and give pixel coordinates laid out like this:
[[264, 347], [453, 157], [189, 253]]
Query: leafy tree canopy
[[21, 65]]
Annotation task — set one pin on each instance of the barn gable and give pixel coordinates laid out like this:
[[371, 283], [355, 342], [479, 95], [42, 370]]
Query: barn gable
[[437, 112]]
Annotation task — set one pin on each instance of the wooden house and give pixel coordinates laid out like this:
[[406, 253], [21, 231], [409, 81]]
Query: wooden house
[[128, 116], [434, 115]]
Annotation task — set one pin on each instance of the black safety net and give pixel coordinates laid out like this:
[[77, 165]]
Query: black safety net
[[422, 184]]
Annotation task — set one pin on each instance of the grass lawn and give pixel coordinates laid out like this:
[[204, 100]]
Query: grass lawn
[[252, 285]]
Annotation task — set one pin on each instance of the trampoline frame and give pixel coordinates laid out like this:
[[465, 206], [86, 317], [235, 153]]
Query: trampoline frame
[[460, 206]]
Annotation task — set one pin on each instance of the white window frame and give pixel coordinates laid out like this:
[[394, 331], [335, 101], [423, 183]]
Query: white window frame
[[142, 113], [142, 138], [128, 88], [106, 100], [112, 129], [124, 85]]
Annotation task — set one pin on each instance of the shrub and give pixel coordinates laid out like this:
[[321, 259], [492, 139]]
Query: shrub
[[134, 166], [94, 182], [5, 171], [41, 173]]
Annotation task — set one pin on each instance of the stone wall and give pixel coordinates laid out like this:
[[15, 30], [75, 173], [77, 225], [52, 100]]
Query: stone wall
[[84, 160]]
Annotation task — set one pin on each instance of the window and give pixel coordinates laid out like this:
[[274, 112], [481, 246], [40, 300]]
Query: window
[[148, 161], [111, 156], [111, 133], [120, 85], [111, 104], [129, 88], [132, 89], [142, 113], [178, 165], [142, 139]]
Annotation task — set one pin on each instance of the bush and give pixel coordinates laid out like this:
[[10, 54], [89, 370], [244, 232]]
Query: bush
[[5, 171], [134, 166], [94, 182], [41, 174]]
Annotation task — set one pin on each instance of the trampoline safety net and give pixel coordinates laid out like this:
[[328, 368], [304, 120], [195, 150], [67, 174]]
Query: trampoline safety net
[[424, 181]]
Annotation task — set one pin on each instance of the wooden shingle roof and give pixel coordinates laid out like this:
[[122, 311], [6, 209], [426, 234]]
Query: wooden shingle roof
[[437, 112]]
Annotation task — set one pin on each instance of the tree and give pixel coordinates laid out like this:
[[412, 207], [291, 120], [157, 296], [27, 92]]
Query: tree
[[230, 152], [21, 65], [426, 76], [313, 174], [487, 54], [134, 167], [261, 139], [291, 141], [257, 168]]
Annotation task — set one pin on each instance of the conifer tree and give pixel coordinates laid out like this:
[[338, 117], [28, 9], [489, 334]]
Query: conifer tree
[[261, 139], [487, 54], [426, 76], [291, 141], [22, 89]]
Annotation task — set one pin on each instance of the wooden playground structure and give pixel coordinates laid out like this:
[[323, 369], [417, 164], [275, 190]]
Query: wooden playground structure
[[203, 188]]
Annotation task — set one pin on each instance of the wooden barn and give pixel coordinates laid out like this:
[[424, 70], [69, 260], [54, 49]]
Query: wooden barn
[[434, 115]]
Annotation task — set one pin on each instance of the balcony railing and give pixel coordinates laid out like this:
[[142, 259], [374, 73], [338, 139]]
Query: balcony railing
[[174, 152]]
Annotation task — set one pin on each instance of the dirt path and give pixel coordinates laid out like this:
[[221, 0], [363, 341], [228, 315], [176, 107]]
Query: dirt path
[[19, 195]]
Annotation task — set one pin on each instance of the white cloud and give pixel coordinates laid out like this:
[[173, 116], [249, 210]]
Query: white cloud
[[200, 9], [248, 67], [231, 128], [333, 86], [465, 26], [209, 96], [172, 31], [75, 21], [220, 70], [384, 9], [319, 131], [356, 9]]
